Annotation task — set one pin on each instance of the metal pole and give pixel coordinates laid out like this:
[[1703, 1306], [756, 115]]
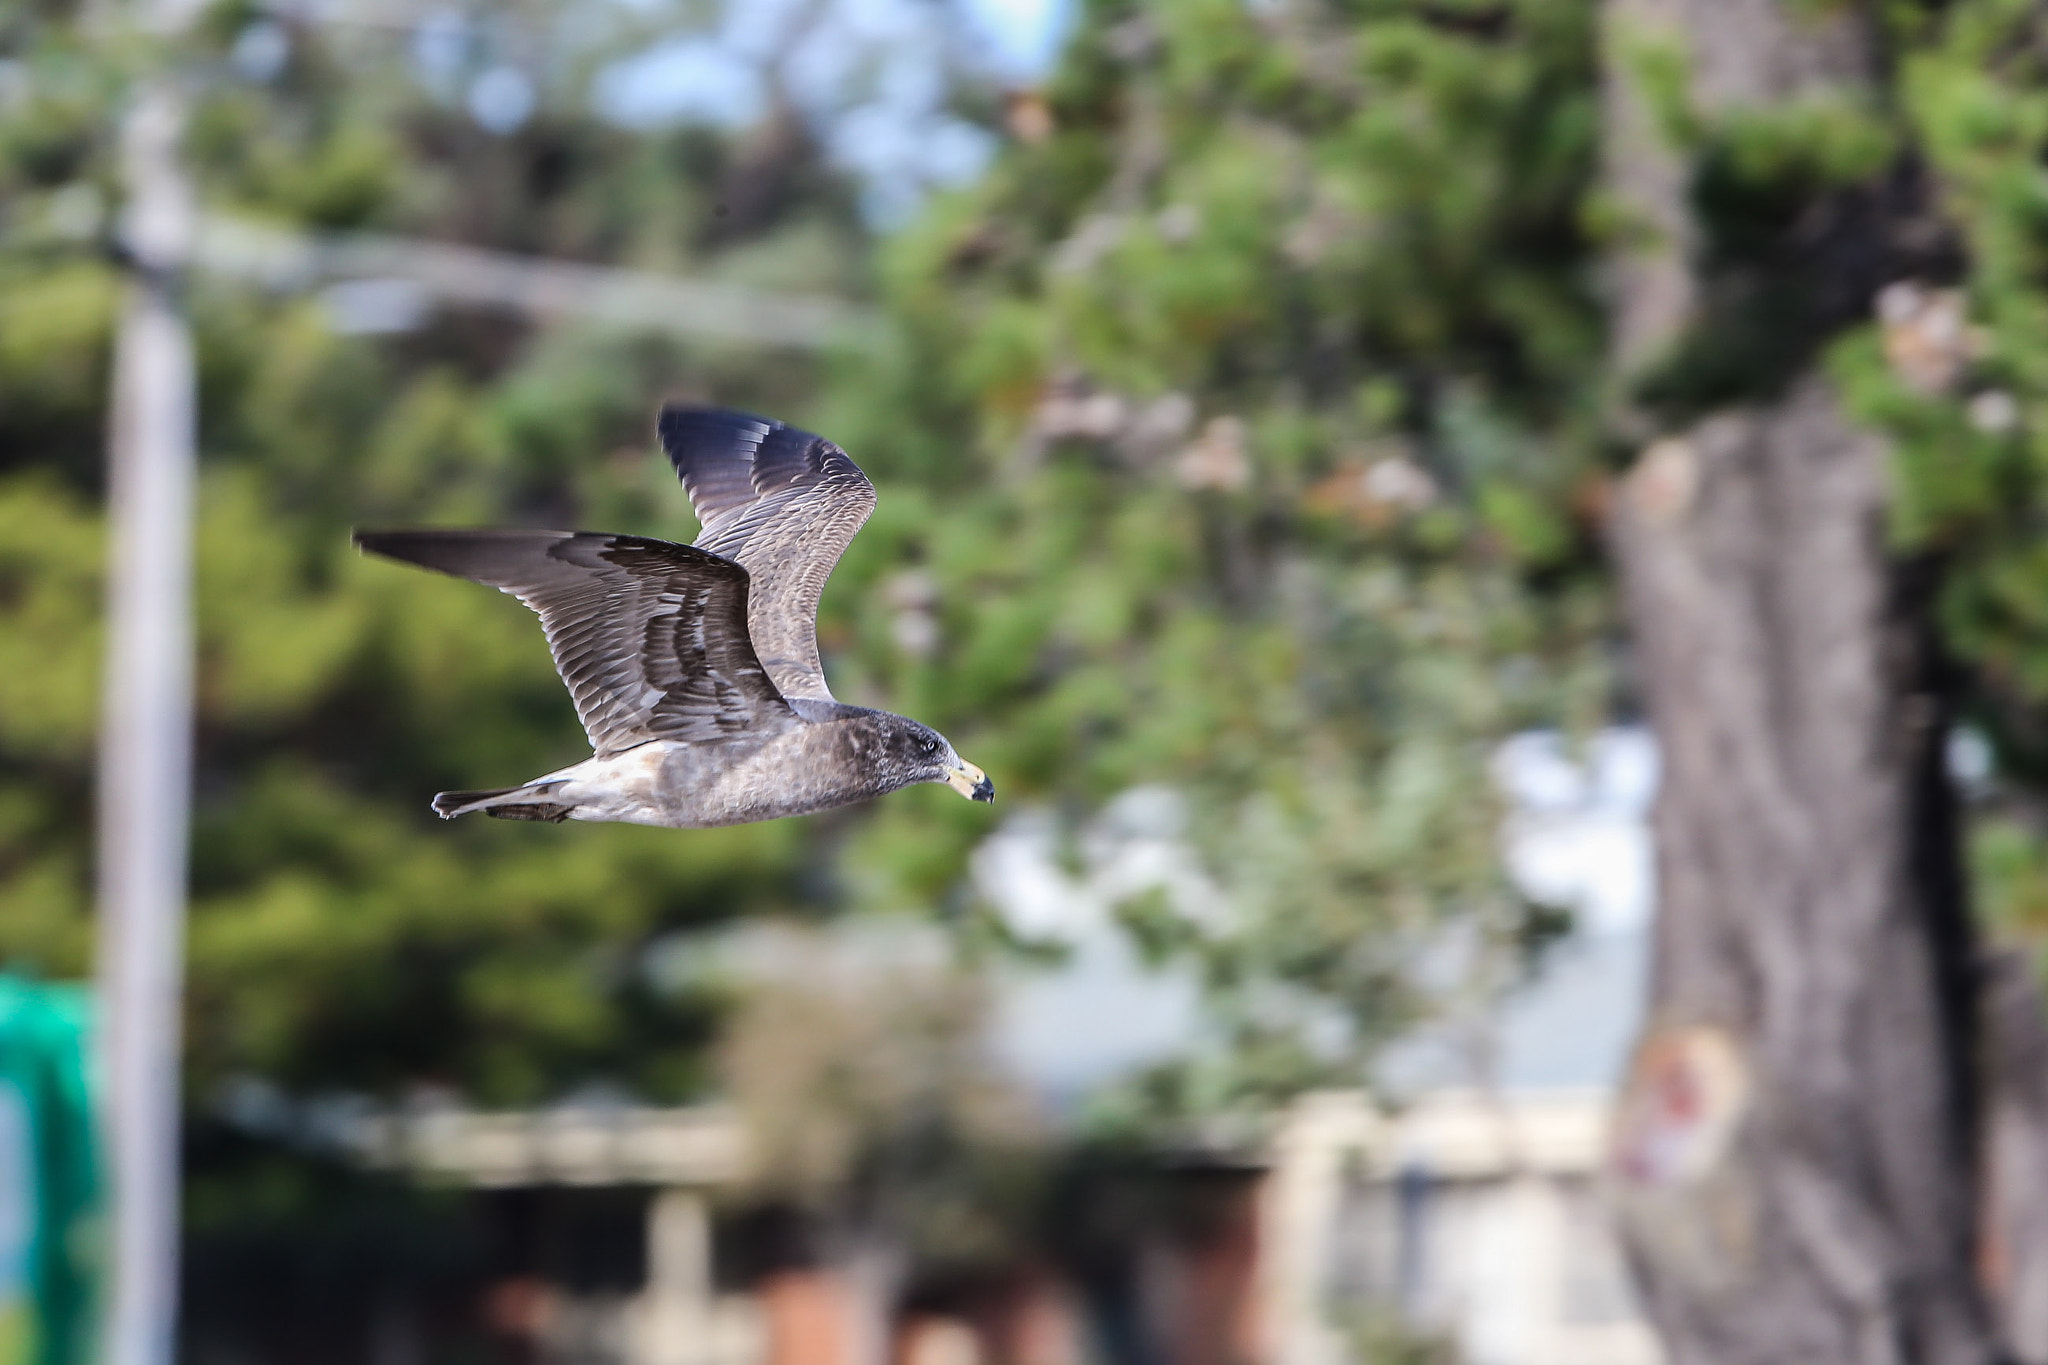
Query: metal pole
[[145, 765]]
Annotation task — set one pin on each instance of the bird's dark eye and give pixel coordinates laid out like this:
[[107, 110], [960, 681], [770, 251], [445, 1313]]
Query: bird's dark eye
[[931, 746]]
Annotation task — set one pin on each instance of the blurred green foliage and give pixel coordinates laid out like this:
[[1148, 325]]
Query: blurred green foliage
[[1239, 433], [1971, 448], [342, 938], [1242, 434], [1235, 435], [1240, 437], [1971, 457], [1933, 328]]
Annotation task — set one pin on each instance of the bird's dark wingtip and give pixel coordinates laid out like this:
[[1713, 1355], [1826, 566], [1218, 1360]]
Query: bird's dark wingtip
[[493, 556], [710, 413], [680, 425], [407, 547]]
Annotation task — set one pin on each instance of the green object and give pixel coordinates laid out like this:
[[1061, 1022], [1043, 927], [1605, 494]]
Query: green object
[[49, 1185]]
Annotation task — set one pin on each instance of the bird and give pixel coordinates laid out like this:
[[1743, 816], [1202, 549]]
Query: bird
[[695, 668]]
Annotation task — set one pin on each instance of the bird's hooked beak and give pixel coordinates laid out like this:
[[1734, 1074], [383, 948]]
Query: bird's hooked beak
[[971, 782]]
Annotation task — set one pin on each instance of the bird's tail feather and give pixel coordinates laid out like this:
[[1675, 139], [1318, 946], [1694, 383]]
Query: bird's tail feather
[[507, 803]]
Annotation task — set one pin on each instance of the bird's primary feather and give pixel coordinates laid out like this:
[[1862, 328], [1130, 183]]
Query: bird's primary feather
[[784, 505]]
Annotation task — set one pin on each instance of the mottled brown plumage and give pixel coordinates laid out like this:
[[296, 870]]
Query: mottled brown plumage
[[695, 669]]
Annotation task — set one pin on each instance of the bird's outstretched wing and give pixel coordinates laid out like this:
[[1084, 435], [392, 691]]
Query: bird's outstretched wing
[[650, 637], [783, 504]]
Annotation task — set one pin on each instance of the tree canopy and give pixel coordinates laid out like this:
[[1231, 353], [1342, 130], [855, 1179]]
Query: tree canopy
[[342, 938], [1233, 435], [1245, 430]]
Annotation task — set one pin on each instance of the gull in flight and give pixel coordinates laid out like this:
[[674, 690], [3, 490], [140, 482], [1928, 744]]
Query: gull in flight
[[695, 668]]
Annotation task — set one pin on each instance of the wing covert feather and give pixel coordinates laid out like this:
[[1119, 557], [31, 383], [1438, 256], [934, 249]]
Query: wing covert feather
[[650, 637]]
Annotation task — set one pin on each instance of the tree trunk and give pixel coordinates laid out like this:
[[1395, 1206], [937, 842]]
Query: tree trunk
[[1793, 1157], [2015, 1256], [1793, 1164]]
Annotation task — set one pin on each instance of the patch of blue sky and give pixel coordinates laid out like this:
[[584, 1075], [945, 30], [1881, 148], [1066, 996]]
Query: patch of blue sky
[[682, 80], [871, 75], [869, 51], [900, 160], [759, 29], [502, 99], [1023, 36], [441, 43], [1579, 832]]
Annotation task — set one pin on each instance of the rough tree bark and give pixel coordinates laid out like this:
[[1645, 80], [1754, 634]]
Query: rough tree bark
[[1794, 1158], [2014, 1259], [1793, 1165]]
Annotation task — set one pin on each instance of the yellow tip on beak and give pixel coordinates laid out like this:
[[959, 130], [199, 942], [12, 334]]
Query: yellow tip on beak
[[971, 782]]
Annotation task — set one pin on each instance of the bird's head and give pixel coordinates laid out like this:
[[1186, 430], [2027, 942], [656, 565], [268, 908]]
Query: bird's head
[[918, 753]]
